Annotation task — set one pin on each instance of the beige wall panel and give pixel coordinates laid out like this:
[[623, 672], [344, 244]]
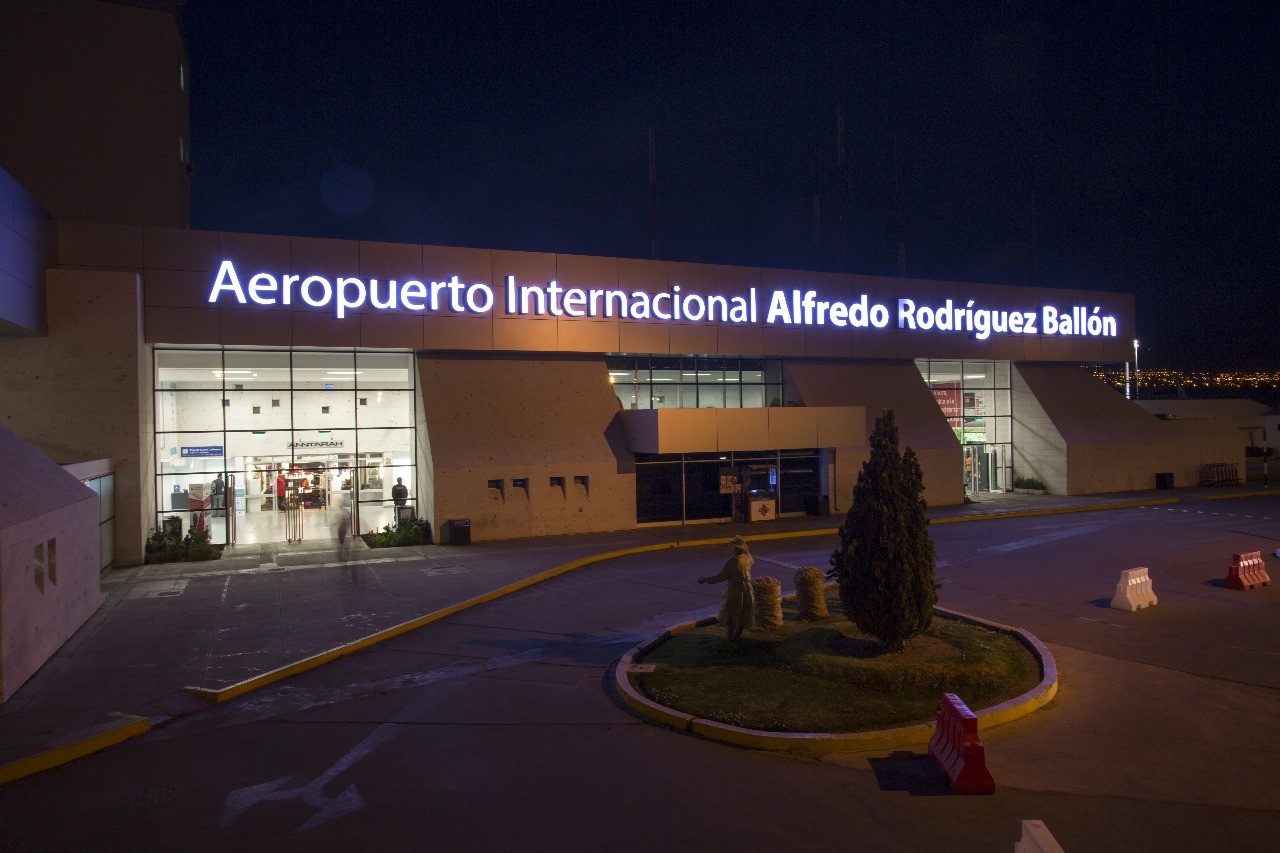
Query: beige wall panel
[[184, 325], [844, 474], [692, 278], [792, 427], [179, 289], [179, 249], [639, 274], [783, 340], [528, 267], [391, 261], [470, 333], [736, 281], [686, 338], [741, 429], [496, 418], [644, 337], [324, 330], [469, 265], [587, 272], [733, 339], [842, 427], [255, 253], [829, 342], [688, 430], [524, 334], [91, 244], [383, 331], [869, 343], [587, 336], [243, 327], [77, 393], [640, 427], [318, 256]]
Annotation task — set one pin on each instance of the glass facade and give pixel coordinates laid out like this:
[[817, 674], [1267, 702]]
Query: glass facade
[[695, 382], [680, 487], [975, 397], [316, 427]]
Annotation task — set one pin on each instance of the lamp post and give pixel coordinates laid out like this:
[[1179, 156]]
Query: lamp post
[[1137, 382]]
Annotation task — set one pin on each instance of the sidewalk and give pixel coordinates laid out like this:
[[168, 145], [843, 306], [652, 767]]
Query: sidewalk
[[165, 627]]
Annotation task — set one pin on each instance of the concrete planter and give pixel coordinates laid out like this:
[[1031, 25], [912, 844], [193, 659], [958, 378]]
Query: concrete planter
[[1031, 491]]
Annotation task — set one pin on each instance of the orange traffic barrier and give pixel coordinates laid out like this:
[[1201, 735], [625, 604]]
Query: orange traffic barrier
[[1220, 474], [958, 750], [1247, 571]]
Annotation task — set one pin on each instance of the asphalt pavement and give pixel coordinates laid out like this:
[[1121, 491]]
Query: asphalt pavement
[[1161, 709]]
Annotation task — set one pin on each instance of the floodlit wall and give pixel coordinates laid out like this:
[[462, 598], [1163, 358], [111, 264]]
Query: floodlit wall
[[1082, 438], [880, 385], [80, 392], [48, 559], [532, 419]]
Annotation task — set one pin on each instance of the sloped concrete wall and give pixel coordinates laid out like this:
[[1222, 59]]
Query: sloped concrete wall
[[48, 513], [529, 419], [880, 385], [80, 391], [1111, 444]]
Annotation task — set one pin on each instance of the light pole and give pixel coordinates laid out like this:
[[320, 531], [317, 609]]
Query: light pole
[[1137, 382]]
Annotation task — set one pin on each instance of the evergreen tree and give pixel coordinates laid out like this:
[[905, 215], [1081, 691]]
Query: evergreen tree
[[885, 560]]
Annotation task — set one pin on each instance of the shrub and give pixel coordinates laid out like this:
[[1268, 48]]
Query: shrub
[[885, 561], [414, 531], [164, 546], [1029, 483]]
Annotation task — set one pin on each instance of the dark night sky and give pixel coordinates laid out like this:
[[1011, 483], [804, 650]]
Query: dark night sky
[[1148, 133]]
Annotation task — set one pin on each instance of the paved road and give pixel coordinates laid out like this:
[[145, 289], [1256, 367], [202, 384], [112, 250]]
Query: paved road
[[497, 729]]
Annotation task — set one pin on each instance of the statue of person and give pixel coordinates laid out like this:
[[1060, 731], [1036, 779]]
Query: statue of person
[[738, 603]]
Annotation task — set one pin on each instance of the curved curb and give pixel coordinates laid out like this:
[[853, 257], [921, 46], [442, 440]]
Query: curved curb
[[1062, 510], [128, 726], [827, 742], [1266, 494]]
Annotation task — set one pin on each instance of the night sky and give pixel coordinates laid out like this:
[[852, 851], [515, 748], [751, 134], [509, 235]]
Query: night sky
[[1145, 137]]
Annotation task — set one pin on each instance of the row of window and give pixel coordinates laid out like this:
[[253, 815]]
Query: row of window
[[695, 382]]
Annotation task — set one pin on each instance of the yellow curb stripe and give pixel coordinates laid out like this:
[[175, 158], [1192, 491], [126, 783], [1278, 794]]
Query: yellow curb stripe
[[128, 727], [953, 519], [1242, 495]]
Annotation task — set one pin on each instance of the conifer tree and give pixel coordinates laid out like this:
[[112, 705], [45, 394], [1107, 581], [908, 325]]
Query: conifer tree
[[885, 561]]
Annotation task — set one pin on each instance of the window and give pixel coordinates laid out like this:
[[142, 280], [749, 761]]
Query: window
[[975, 398], [695, 382]]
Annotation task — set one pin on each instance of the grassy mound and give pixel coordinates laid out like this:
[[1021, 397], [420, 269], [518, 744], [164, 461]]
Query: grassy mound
[[826, 676]]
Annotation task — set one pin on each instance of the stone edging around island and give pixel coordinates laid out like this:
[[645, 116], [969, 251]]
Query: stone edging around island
[[826, 742]]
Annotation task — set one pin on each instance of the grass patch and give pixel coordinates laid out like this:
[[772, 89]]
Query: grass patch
[[826, 676]]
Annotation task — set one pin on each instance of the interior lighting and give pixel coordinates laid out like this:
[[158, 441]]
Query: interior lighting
[[344, 372]]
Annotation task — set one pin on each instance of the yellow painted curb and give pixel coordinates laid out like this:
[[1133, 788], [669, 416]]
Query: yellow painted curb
[[826, 742], [1264, 494], [128, 727], [1054, 511]]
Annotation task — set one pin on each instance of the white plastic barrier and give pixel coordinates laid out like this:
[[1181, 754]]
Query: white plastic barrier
[[1036, 838], [1134, 591]]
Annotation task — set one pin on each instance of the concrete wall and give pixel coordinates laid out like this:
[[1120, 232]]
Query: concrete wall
[[98, 109], [42, 603], [1110, 444], [494, 418], [880, 385], [27, 247], [1246, 415], [80, 392]]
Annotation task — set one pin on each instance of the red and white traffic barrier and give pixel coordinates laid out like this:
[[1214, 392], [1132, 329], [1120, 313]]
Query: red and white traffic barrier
[[958, 750], [1247, 571], [1134, 591]]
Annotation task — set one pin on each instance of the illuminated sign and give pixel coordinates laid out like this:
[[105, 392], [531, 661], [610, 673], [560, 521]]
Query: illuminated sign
[[343, 294]]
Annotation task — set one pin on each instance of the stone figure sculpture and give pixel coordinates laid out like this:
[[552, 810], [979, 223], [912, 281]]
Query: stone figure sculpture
[[738, 603]]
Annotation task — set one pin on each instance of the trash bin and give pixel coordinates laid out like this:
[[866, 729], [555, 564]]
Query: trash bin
[[403, 514], [459, 531], [1164, 480], [815, 505]]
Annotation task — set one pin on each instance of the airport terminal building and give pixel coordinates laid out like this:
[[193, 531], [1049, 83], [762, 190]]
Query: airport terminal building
[[226, 375]]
